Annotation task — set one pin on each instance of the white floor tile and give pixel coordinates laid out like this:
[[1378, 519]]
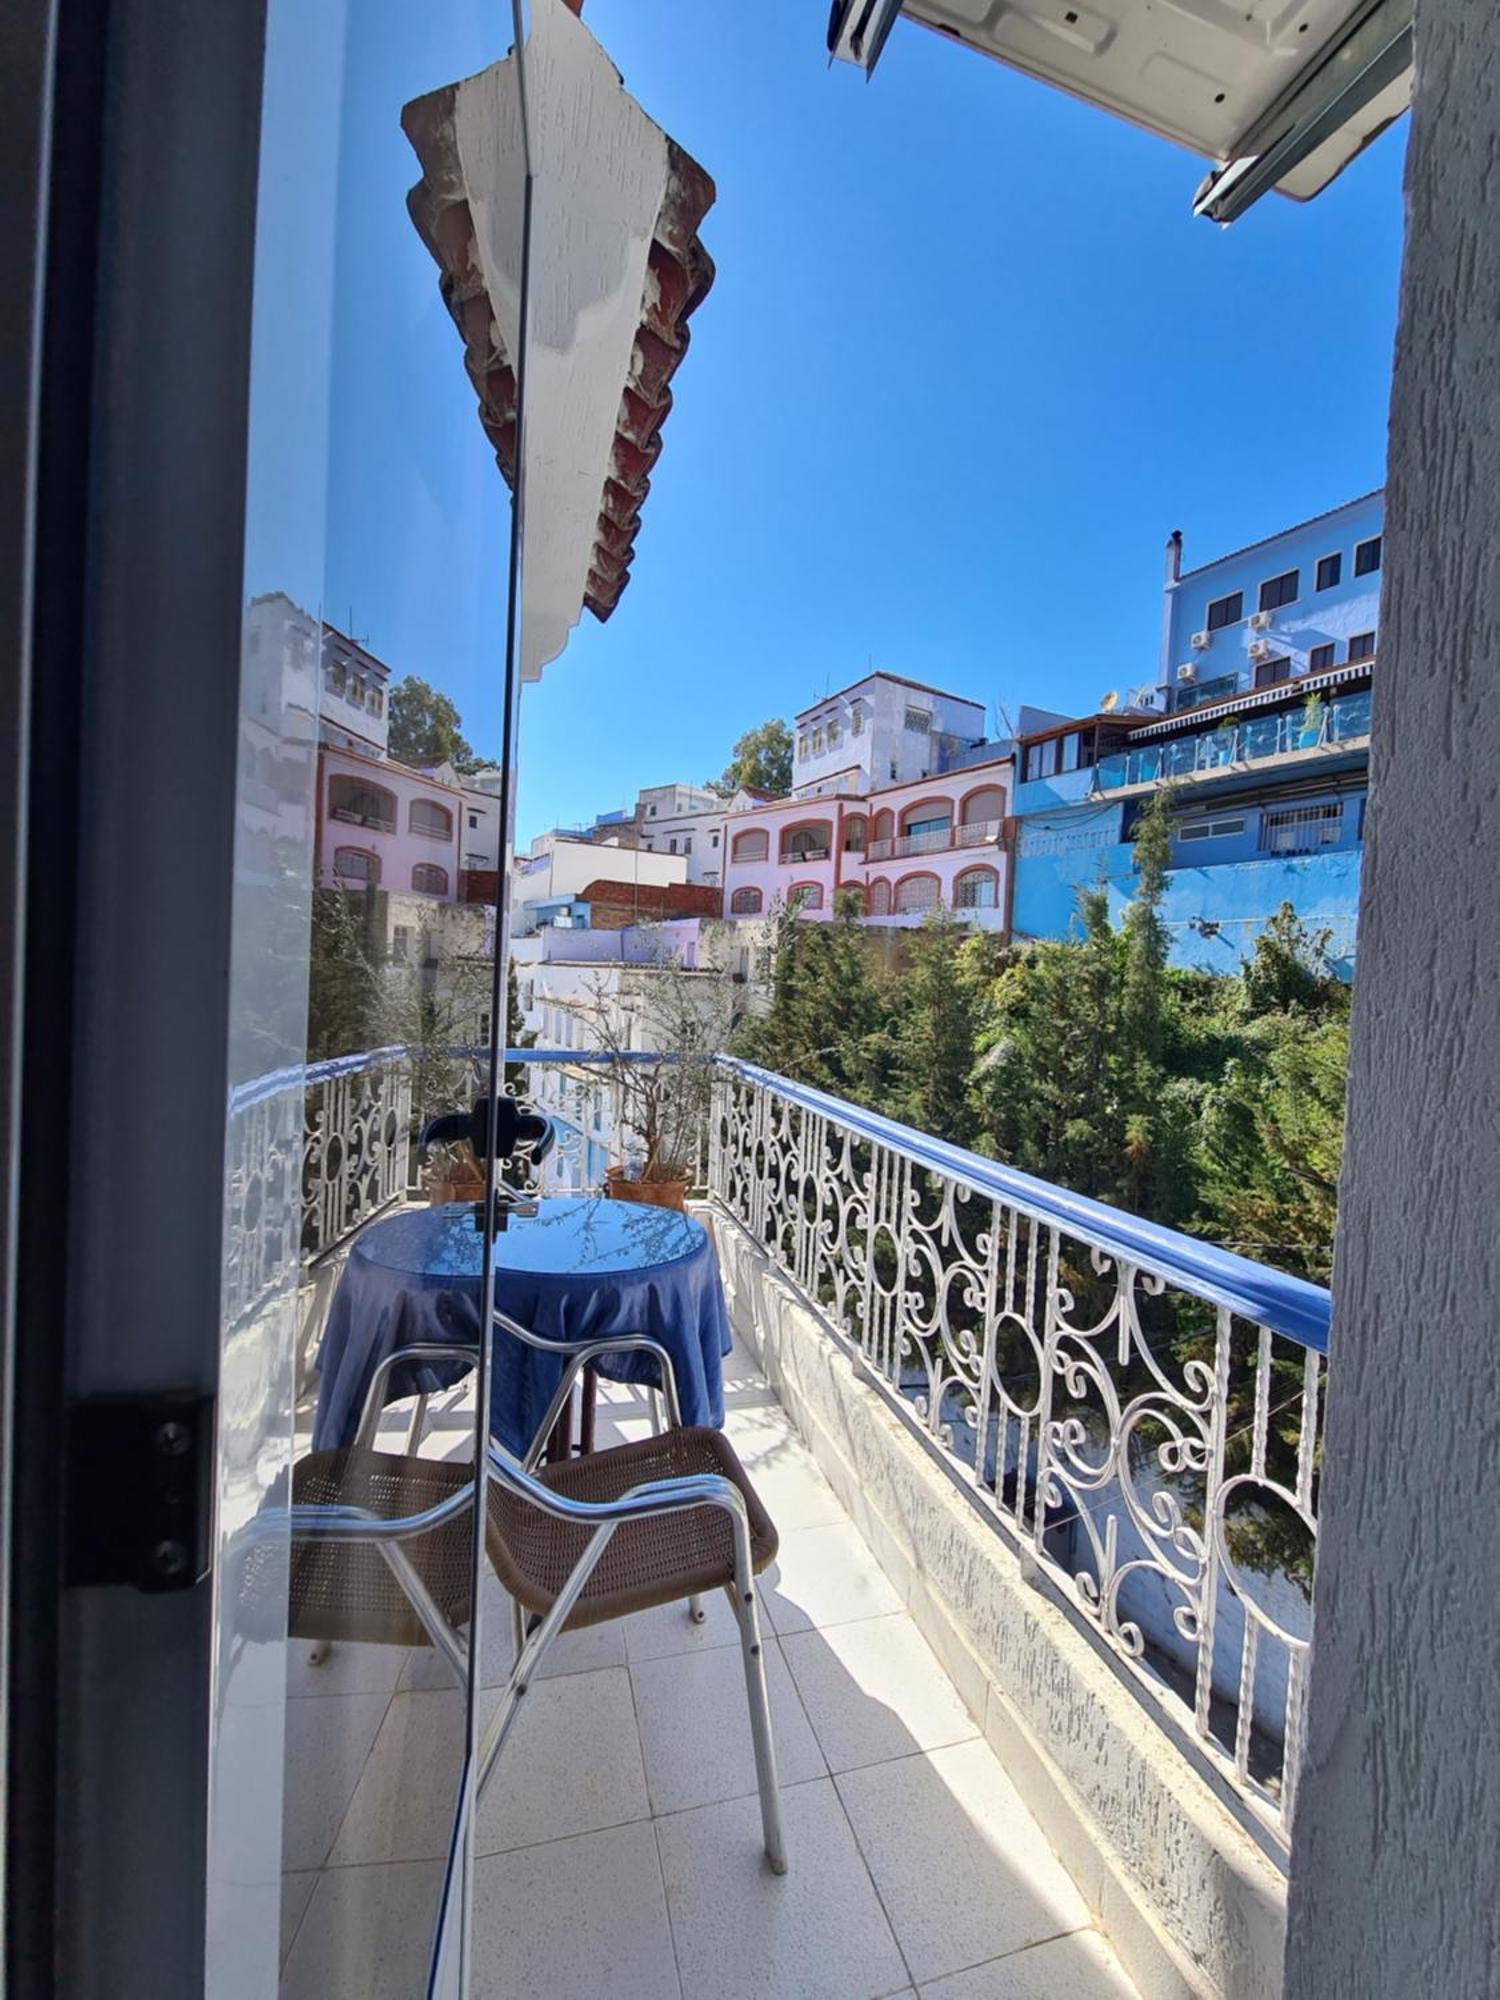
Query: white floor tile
[[586, 1918], [571, 1653], [786, 1476], [572, 1764], [296, 1894], [825, 1576], [402, 1808], [961, 1866], [695, 1727], [742, 1933], [346, 1669], [367, 1934], [1080, 1967], [652, 1635], [873, 1691], [327, 1743]]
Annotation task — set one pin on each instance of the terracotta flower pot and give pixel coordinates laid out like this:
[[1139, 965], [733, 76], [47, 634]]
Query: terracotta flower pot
[[440, 1189], [654, 1194]]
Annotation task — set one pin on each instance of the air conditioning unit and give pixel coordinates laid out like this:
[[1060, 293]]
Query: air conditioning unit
[[1260, 649], [1202, 641], [1260, 621], [1187, 671]]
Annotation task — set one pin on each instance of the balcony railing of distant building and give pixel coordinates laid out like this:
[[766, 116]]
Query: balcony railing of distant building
[[1238, 742], [1136, 1412], [939, 840]]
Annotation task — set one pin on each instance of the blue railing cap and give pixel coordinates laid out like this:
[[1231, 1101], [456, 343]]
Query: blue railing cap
[[1275, 1299], [1272, 1298]]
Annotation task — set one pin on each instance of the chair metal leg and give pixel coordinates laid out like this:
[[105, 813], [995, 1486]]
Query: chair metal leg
[[747, 1611], [697, 1610], [418, 1425]]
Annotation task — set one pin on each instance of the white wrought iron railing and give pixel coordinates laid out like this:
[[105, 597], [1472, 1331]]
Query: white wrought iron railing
[[1138, 1411], [973, 833]]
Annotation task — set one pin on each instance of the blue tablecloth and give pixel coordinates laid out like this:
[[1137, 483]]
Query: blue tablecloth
[[580, 1269]]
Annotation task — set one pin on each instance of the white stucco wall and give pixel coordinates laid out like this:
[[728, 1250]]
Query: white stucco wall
[[1397, 1829]]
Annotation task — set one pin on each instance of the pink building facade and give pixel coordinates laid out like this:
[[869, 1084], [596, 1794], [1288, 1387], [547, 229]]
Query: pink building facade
[[904, 850], [382, 824]]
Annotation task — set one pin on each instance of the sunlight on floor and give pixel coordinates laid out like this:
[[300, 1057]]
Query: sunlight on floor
[[620, 1841]]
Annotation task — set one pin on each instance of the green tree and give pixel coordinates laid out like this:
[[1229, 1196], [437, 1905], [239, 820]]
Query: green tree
[[425, 725], [932, 1032], [762, 760], [829, 1017]]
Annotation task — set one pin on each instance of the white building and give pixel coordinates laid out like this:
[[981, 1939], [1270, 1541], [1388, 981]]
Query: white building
[[883, 730], [689, 820], [353, 712], [626, 989], [560, 866]]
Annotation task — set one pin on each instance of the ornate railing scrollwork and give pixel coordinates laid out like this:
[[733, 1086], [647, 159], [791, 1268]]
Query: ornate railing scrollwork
[[1139, 1410]]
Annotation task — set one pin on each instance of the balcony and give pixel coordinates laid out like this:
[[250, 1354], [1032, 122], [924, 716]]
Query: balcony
[[1238, 745], [978, 833], [1046, 1481]]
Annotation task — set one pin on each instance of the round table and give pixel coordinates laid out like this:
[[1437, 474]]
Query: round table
[[580, 1269]]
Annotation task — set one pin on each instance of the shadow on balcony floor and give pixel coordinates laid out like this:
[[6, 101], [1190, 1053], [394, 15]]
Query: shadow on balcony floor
[[621, 1838]]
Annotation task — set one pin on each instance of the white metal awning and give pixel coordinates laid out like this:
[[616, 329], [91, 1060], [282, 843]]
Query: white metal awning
[[1271, 697], [1278, 93]]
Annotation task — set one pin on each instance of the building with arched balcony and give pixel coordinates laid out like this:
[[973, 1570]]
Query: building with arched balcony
[[380, 823], [902, 850]]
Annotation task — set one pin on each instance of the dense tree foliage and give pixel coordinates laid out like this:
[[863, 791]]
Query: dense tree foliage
[[762, 760], [425, 726], [1211, 1103]]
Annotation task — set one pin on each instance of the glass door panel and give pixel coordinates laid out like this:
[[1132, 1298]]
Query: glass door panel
[[369, 855]]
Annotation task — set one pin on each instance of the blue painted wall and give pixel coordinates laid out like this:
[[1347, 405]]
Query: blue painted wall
[[1316, 618], [1240, 897]]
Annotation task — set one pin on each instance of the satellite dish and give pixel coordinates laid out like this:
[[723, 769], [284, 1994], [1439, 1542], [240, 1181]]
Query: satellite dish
[[1109, 703]]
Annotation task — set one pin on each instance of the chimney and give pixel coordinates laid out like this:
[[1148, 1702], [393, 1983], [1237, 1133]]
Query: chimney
[[1174, 544]]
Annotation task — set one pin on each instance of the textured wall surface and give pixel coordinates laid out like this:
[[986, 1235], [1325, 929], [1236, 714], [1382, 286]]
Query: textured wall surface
[[1394, 1860]]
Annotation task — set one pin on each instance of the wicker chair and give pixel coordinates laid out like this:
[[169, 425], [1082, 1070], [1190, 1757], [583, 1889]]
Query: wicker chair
[[382, 1547]]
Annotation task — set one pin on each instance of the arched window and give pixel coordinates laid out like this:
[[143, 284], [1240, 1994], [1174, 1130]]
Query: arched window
[[355, 865], [988, 803], [880, 898], [746, 903], [884, 826], [805, 896], [754, 844], [809, 842], [856, 828], [426, 816], [359, 803], [927, 816], [916, 892], [427, 879], [976, 889]]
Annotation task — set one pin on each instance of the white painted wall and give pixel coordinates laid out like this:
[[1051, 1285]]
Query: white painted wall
[[884, 750], [1397, 1827], [697, 836]]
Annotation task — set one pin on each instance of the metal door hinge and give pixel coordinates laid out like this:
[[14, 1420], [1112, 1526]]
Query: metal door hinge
[[139, 1494]]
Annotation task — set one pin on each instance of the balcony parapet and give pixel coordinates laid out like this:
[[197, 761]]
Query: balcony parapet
[[1137, 1412], [977, 833]]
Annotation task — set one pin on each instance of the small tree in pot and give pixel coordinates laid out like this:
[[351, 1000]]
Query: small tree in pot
[[661, 1023]]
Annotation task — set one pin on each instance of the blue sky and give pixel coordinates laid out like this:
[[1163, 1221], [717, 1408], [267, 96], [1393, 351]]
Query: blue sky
[[967, 362]]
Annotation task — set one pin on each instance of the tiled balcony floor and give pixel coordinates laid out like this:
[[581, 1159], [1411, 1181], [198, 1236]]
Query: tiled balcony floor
[[621, 1835]]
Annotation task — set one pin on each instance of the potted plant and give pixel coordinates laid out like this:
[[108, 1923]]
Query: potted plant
[[1226, 730], [452, 1173], [1310, 722], [660, 1024]]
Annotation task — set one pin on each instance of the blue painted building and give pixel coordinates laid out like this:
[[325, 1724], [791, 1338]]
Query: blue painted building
[[1260, 721]]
